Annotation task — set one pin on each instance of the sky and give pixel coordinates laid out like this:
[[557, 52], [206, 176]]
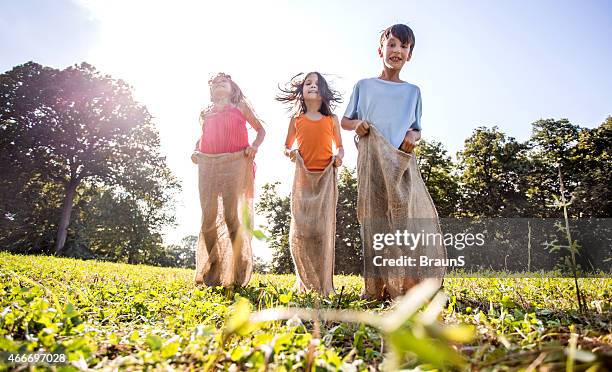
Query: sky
[[478, 63]]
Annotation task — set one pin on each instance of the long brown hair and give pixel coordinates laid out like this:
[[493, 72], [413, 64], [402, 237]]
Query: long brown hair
[[293, 94]]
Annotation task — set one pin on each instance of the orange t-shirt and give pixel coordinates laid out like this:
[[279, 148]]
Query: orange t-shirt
[[314, 140]]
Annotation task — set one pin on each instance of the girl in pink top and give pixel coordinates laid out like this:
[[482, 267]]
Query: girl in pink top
[[224, 253], [224, 121]]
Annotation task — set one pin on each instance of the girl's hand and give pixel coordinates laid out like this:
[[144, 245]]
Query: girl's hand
[[337, 161], [362, 128], [291, 153], [194, 157], [250, 152]]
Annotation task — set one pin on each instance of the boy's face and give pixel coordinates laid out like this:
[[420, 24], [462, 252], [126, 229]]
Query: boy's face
[[394, 53], [311, 87]]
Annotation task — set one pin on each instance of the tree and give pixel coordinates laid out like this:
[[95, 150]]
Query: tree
[[493, 168], [437, 170], [114, 226], [277, 212], [348, 252], [593, 191], [553, 144], [74, 127]]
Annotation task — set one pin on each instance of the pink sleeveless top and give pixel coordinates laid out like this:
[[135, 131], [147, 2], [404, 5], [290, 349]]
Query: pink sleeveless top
[[224, 131]]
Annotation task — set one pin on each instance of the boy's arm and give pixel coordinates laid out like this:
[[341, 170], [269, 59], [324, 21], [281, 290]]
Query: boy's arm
[[414, 132], [359, 126]]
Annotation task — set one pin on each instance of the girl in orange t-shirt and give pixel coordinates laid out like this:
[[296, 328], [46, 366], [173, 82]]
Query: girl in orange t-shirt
[[314, 127], [314, 195]]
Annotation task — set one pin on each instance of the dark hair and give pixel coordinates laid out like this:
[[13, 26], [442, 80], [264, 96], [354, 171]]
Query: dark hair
[[293, 94], [400, 31]]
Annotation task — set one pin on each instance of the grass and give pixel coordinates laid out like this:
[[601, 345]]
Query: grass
[[133, 317]]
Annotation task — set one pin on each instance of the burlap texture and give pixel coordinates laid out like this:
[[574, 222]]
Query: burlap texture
[[393, 197], [313, 227], [224, 254]]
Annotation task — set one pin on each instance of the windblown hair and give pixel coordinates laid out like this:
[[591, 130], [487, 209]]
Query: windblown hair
[[293, 95], [236, 97], [400, 31]]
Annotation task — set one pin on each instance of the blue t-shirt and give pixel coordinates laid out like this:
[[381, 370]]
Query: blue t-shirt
[[391, 107]]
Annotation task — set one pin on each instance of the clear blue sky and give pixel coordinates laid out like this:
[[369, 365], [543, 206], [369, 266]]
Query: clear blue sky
[[504, 63]]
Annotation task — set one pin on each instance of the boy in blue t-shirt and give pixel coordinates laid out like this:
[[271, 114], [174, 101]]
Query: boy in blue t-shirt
[[392, 105], [392, 197]]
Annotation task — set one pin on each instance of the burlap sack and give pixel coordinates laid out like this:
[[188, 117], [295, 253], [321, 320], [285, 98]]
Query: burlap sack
[[392, 197], [224, 254], [313, 227]]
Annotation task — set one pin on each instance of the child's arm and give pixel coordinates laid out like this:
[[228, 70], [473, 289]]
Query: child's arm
[[290, 140], [194, 154], [256, 124], [414, 132], [338, 142], [359, 126], [410, 140]]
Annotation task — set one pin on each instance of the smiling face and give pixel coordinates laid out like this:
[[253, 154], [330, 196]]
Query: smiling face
[[394, 53], [220, 88], [310, 89]]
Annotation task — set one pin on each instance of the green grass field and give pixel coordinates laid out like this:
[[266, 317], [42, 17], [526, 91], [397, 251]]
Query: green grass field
[[118, 316]]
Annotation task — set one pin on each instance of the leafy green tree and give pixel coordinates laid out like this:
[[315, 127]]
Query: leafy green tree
[[492, 175], [593, 191], [553, 146], [277, 212], [75, 127], [348, 251], [438, 172]]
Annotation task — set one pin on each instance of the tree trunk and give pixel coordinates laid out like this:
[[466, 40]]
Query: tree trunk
[[62, 230]]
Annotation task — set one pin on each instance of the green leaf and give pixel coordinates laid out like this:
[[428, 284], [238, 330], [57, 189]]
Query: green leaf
[[135, 336], [239, 319], [154, 341], [113, 339], [170, 349], [259, 235], [285, 298], [237, 353], [459, 333]]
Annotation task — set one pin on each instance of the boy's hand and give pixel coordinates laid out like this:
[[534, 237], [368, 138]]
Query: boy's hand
[[362, 128], [250, 152], [410, 140], [194, 157]]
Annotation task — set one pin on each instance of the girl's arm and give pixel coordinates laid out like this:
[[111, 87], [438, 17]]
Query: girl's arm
[[256, 124], [194, 155], [338, 142], [290, 140]]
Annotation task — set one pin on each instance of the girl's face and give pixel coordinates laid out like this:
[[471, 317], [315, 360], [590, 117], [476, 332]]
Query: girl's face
[[310, 90], [221, 88]]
